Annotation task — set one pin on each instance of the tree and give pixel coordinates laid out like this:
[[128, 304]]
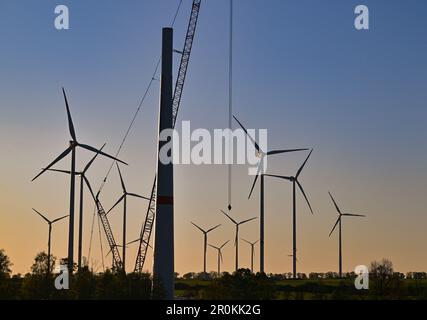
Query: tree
[[5, 264], [383, 280], [242, 284], [40, 264]]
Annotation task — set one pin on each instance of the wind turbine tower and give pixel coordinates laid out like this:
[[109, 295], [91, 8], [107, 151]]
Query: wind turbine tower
[[163, 268]]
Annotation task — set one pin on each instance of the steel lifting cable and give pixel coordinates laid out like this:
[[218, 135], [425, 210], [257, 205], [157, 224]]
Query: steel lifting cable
[[230, 105], [100, 243], [91, 234], [153, 78]]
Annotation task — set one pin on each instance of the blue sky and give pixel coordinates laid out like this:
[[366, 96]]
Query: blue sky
[[301, 70]]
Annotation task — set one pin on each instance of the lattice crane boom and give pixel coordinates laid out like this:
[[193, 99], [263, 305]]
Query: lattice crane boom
[[109, 235]]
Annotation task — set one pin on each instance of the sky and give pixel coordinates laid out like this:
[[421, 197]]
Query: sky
[[301, 70]]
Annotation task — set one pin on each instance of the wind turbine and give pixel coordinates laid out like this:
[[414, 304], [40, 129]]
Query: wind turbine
[[252, 244], [295, 182], [340, 215], [205, 243], [72, 148], [261, 154], [50, 223], [220, 259], [124, 199], [236, 239], [291, 256], [83, 180]]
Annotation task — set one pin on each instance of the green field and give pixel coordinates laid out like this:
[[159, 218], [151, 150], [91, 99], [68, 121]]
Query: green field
[[325, 289]]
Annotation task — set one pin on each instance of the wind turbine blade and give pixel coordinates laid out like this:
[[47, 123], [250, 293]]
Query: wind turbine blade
[[305, 196], [213, 228], [278, 177], [198, 227], [232, 220], [225, 243], [60, 171], [60, 157], [92, 160], [111, 249], [256, 242], [121, 179], [56, 220], [70, 120], [255, 180], [85, 146], [336, 206], [353, 215], [245, 221], [118, 201], [303, 165], [246, 241], [138, 240], [249, 136], [89, 187], [132, 242], [41, 215], [138, 196], [213, 247], [270, 153], [220, 256], [336, 223]]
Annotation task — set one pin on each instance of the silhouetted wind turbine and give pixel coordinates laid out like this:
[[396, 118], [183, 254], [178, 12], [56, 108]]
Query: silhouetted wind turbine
[[50, 223], [220, 259], [124, 199], [252, 244], [236, 239], [83, 180], [205, 243], [295, 182], [291, 256], [340, 215], [261, 154], [138, 241], [72, 148]]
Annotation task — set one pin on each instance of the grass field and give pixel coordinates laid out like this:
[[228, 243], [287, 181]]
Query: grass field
[[325, 289]]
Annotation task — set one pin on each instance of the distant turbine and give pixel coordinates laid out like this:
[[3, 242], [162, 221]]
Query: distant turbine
[[50, 223], [262, 155], [236, 239], [340, 215], [252, 244], [83, 180], [72, 148], [138, 241], [291, 256], [220, 259], [295, 182], [124, 199], [205, 243], [111, 250]]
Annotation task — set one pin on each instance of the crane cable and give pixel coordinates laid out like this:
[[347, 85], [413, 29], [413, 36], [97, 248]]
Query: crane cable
[[230, 106], [153, 78]]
